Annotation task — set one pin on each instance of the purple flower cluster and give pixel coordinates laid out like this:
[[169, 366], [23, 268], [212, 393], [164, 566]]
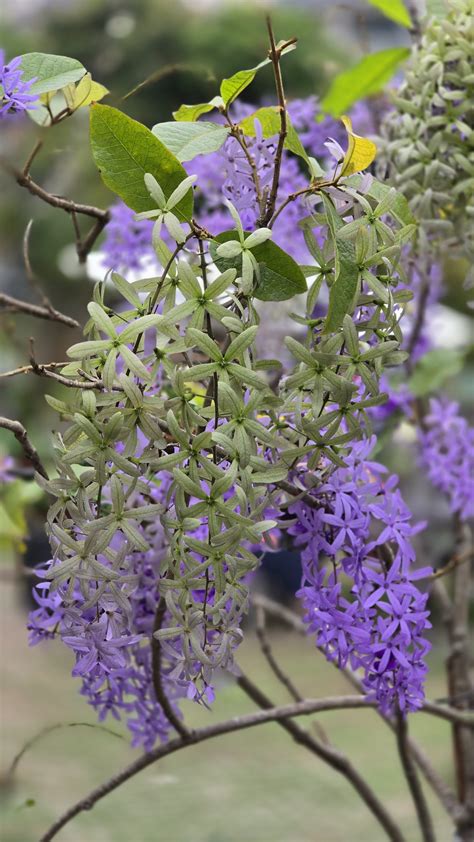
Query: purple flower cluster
[[15, 94], [447, 453], [111, 639], [359, 585]]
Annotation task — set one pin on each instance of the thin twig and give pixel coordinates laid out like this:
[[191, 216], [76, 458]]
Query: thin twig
[[39, 312], [160, 694], [330, 755], [29, 450], [101, 216], [30, 369], [422, 811], [278, 670], [48, 730], [275, 55], [451, 565]]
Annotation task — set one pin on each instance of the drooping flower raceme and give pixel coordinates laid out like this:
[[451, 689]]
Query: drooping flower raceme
[[447, 454], [359, 588]]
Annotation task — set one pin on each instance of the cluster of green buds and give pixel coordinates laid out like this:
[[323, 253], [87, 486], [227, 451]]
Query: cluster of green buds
[[428, 140]]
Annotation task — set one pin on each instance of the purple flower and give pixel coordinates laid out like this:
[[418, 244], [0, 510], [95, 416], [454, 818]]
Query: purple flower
[[447, 453], [15, 93]]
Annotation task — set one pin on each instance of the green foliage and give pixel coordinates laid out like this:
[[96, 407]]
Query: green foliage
[[186, 140], [434, 369], [230, 89], [427, 140], [280, 277], [393, 9], [190, 113], [52, 73], [367, 77], [346, 272], [125, 150]]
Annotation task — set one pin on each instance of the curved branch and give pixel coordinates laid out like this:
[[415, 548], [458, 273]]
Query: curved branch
[[36, 310], [421, 807], [29, 449], [199, 735]]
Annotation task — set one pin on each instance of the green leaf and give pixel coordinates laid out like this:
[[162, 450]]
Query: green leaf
[[88, 91], [365, 78], [393, 9], [124, 150], [434, 369], [190, 113], [52, 73], [232, 87], [342, 292], [186, 140], [269, 119], [272, 474], [399, 207], [280, 276]]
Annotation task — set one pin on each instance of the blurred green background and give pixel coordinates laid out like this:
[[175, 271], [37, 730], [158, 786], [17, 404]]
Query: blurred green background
[[256, 786]]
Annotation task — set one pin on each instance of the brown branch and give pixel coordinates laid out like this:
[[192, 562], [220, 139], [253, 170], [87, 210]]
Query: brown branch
[[30, 369], [199, 735], [160, 694], [458, 665], [330, 755], [451, 565], [421, 807], [278, 670], [29, 450], [36, 310], [275, 56], [101, 216]]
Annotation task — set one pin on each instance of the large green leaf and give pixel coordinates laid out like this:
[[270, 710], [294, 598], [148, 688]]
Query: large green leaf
[[365, 78], [270, 121], [186, 140], [393, 9], [125, 150], [51, 72], [280, 276], [344, 287]]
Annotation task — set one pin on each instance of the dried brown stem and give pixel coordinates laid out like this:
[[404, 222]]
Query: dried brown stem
[[29, 450], [101, 216], [421, 807], [37, 311], [275, 55], [160, 694]]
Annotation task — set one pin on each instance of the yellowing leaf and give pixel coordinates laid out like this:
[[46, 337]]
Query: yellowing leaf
[[87, 92], [360, 151]]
